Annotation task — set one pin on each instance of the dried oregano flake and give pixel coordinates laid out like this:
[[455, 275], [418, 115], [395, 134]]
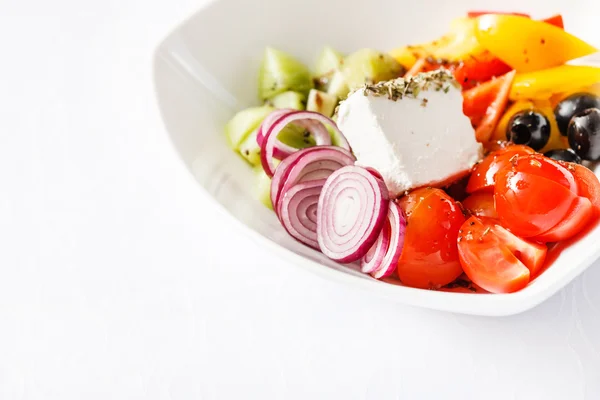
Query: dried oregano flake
[[396, 89]]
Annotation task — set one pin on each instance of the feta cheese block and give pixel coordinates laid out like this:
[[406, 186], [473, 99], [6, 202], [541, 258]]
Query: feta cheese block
[[413, 130]]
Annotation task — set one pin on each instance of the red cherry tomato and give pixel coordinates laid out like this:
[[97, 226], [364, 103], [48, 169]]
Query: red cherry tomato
[[495, 259], [573, 223], [478, 69], [481, 204], [537, 164], [429, 258], [529, 204], [484, 105], [484, 174], [587, 183]]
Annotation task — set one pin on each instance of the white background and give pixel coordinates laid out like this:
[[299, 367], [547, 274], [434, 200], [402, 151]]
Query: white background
[[119, 281]]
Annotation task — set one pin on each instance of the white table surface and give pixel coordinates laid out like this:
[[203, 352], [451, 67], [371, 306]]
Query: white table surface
[[118, 281]]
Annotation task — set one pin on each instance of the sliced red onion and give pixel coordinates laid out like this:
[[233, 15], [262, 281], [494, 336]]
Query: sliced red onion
[[270, 146], [297, 211], [268, 121], [397, 224], [375, 173], [374, 257], [308, 164], [352, 209]]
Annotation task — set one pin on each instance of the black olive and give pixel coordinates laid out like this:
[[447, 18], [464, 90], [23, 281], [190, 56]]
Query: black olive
[[529, 128], [584, 134], [574, 104], [567, 155]]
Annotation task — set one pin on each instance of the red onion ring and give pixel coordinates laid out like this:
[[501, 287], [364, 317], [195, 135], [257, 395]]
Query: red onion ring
[[374, 257], [282, 150], [306, 165], [352, 209], [297, 211], [270, 146], [397, 223]]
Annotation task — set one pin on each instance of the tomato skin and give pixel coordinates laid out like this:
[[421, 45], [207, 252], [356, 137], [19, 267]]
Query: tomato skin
[[487, 261], [481, 204], [429, 258], [578, 217], [538, 164], [529, 205], [484, 104], [484, 174], [478, 69], [588, 184]]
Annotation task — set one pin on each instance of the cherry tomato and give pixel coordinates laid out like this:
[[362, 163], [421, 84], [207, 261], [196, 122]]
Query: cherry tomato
[[481, 204], [484, 105], [587, 183], [478, 69], [529, 204], [429, 258], [484, 174], [496, 259], [573, 223], [537, 164]]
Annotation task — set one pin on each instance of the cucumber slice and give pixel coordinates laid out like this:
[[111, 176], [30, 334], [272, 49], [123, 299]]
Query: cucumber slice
[[338, 86], [250, 150], [243, 123], [280, 73], [263, 187], [329, 60], [289, 99], [321, 102], [291, 135], [328, 63], [370, 66]]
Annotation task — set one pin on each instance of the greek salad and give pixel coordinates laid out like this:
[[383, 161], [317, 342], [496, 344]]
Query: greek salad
[[461, 164]]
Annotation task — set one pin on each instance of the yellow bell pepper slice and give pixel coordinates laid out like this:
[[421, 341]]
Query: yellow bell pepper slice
[[458, 44], [543, 84], [544, 107], [528, 45]]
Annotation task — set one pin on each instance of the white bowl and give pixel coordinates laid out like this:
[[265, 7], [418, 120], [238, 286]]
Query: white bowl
[[206, 69]]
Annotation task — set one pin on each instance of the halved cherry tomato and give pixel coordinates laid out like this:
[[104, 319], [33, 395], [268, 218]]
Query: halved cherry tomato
[[479, 68], [528, 204], [484, 105], [496, 259], [537, 164], [484, 174], [429, 258], [529, 253], [577, 219], [588, 184], [481, 204]]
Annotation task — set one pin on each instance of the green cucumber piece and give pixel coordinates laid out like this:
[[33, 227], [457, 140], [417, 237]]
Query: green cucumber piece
[[292, 135], [262, 187], [337, 85], [250, 150], [289, 99], [329, 60], [243, 123], [280, 73], [369, 66], [321, 102]]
